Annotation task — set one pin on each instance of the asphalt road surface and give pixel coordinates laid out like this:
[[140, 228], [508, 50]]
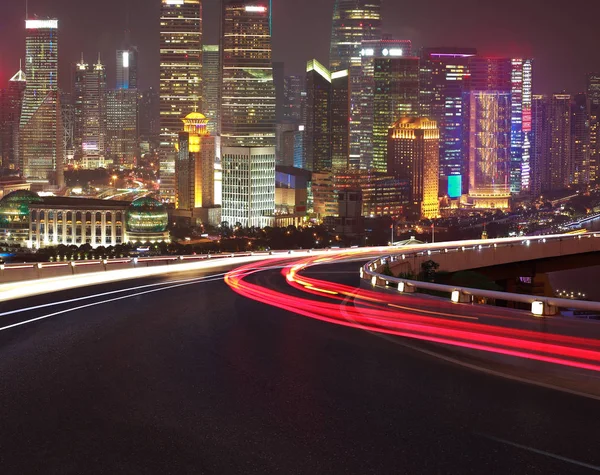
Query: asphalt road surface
[[188, 377]]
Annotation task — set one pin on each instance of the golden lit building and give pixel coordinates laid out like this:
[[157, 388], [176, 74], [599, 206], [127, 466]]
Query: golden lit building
[[488, 149], [195, 169], [414, 155]]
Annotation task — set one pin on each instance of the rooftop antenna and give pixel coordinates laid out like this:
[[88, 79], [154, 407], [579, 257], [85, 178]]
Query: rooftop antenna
[[26, 9]]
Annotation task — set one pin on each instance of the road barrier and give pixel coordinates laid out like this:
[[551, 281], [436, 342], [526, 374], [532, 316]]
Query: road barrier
[[540, 306]]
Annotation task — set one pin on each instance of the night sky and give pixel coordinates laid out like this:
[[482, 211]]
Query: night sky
[[564, 38]]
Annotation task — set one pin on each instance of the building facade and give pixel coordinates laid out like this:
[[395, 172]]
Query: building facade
[[540, 147], [195, 169], [180, 85], [211, 87], [40, 129], [121, 127], [248, 185], [248, 90], [593, 92], [371, 49], [559, 129], [444, 75], [180, 65], [413, 154], [396, 95], [488, 149], [248, 132], [11, 100]]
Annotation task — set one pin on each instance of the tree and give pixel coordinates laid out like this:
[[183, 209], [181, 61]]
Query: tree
[[428, 270]]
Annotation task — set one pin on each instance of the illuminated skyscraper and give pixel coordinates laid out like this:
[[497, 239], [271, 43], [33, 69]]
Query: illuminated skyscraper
[[354, 21], [11, 100], [560, 157], [293, 86], [121, 126], [180, 64], [40, 132], [488, 148], [580, 140], [396, 96], [90, 114], [127, 68], [327, 131], [413, 154], [444, 73], [211, 87], [247, 114], [515, 77], [593, 92], [370, 50], [540, 146], [248, 92], [317, 134]]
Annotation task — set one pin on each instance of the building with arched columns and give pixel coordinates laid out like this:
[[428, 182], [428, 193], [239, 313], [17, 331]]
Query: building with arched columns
[[76, 221], [29, 220]]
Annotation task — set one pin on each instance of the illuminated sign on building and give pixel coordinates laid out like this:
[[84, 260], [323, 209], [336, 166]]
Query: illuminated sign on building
[[38, 24], [454, 186]]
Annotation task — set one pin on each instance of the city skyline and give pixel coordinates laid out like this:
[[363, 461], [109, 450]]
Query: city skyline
[[560, 65]]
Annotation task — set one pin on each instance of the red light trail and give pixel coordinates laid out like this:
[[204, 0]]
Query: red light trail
[[411, 317]]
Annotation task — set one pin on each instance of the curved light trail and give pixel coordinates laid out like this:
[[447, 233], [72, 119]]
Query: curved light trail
[[413, 317]]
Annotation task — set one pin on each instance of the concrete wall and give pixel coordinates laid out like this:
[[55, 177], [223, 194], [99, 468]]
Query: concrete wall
[[472, 257]]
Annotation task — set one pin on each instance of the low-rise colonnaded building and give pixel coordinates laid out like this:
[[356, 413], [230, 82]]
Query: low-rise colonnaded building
[[32, 221]]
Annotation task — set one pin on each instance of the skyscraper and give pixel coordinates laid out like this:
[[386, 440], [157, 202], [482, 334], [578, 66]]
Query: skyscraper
[[247, 114], [121, 126], [515, 77], [327, 132], [11, 100], [180, 65], [340, 121], [317, 134], [90, 114], [354, 21], [413, 154], [396, 96], [560, 157], [593, 92], [211, 87], [40, 131], [488, 148], [371, 49], [580, 140], [293, 86], [520, 137], [444, 75], [248, 91], [127, 68], [540, 171]]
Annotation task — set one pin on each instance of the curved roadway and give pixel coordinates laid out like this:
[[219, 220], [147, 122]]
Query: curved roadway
[[179, 374]]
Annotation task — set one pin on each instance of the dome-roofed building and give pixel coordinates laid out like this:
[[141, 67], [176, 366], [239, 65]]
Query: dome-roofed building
[[146, 220], [14, 215]]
